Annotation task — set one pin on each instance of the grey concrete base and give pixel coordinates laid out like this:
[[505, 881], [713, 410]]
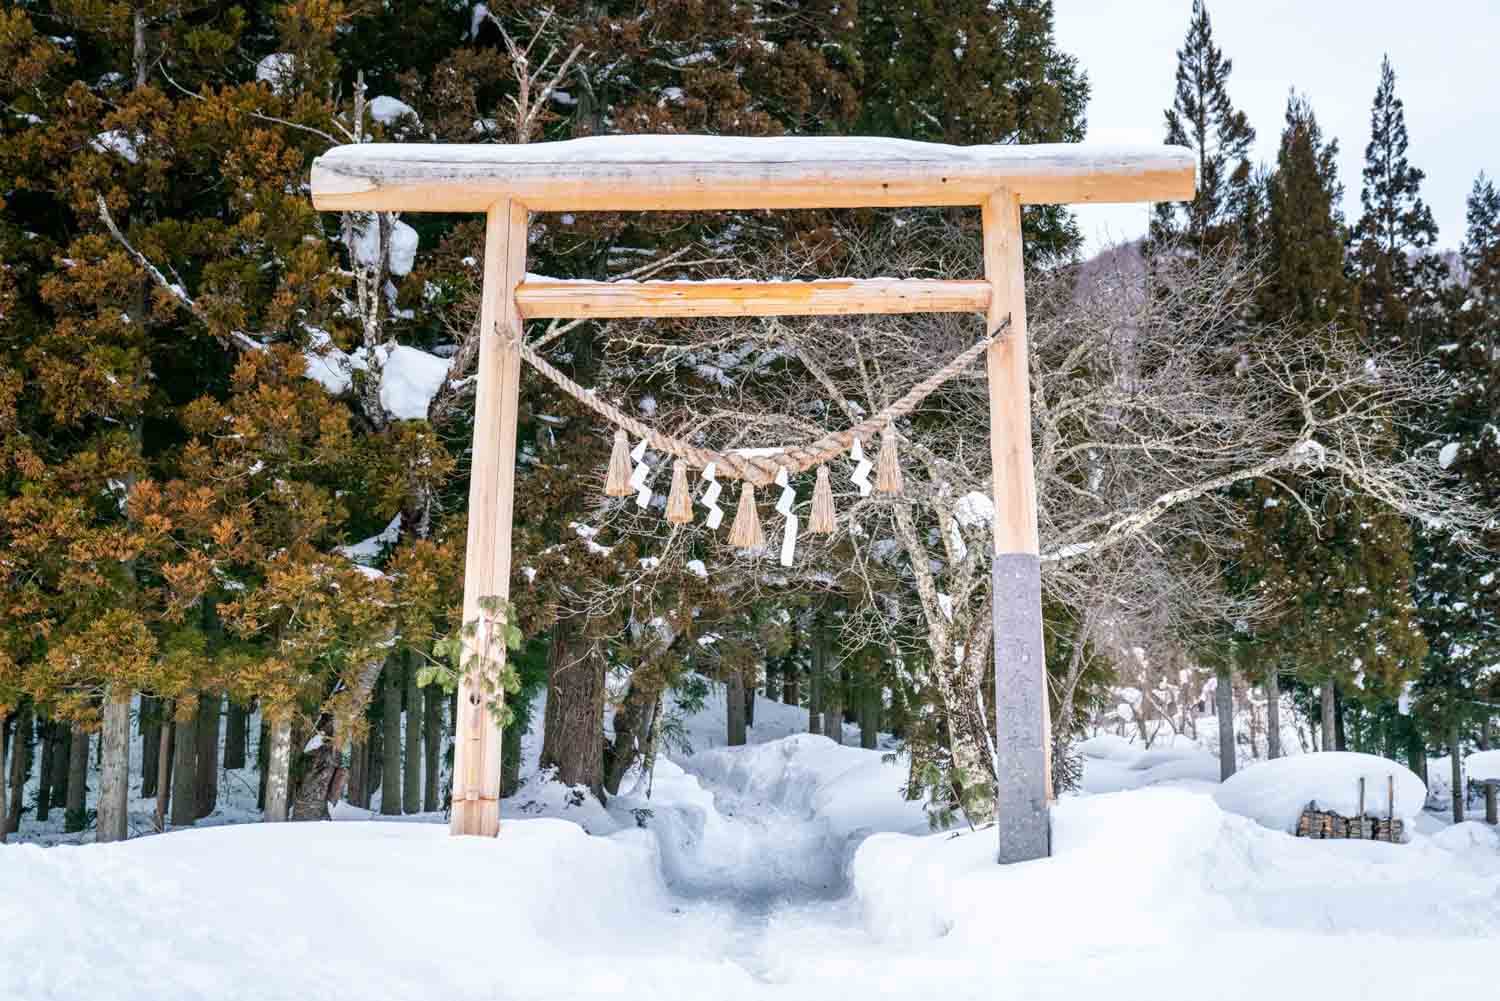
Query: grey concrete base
[[1020, 684]]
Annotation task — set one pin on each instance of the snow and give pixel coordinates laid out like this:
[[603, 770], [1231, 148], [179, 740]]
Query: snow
[[1483, 766], [277, 70], [117, 142], [401, 252], [1274, 793], [1448, 455], [410, 377], [668, 149], [370, 549], [388, 110], [787, 869]]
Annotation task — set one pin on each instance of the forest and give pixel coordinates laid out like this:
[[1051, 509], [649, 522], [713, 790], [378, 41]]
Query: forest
[[236, 442]]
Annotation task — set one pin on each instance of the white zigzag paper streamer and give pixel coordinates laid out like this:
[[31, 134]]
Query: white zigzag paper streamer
[[862, 467], [710, 498], [638, 475], [784, 508]]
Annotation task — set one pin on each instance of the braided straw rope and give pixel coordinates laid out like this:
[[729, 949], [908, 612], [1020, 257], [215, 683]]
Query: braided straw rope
[[761, 470]]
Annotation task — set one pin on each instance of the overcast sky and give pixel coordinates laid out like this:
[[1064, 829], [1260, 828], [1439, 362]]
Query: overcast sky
[[1445, 53]]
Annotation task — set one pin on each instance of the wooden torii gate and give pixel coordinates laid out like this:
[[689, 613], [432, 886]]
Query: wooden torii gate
[[646, 173]]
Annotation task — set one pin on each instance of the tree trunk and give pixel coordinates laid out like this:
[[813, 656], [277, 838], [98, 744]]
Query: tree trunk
[[1224, 709], [734, 701], [815, 679], [236, 735], [1486, 735], [165, 740], [432, 746], [390, 742], [279, 771], [833, 705], [62, 736], [573, 726], [632, 722], [411, 775], [321, 783], [1340, 735], [20, 765], [149, 726], [750, 705], [359, 752], [44, 774], [114, 776], [1273, 712], [206, 778], [374, 764], [1326, 739], [1456, 753], [76, 818], [4, 771], [869, 718], [185, 769], [262, 762]]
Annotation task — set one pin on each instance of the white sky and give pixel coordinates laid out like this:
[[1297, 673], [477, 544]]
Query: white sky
[[1445, 54]]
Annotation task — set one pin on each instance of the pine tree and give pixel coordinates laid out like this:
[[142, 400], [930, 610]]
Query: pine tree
[[1399, 280], [1204, 119], [971, 72]]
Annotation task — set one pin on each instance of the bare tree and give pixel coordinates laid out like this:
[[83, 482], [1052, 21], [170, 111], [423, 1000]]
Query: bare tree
[[1150, 397]]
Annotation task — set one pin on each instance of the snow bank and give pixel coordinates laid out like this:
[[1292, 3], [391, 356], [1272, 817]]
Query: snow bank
[[1472, 836], [1483, 766], [1274, 793], [1109, 747]]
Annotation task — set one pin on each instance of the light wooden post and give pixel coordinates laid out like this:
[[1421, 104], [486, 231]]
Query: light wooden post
[[1022, 748], [476, 750]]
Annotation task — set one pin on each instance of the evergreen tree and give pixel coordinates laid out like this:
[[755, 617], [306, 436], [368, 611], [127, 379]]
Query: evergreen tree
[[1399, 280], [1204, 119], [972, 72]]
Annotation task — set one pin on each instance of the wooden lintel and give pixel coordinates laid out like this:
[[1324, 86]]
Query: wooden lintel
[[540, 298], [695, 173]]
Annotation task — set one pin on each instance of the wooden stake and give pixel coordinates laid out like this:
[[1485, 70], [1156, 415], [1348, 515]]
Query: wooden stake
[[1024, 759], [476, 754], [679, 502], [822, 520]]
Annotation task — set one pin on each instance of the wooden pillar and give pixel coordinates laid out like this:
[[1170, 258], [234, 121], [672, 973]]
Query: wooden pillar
[[1023, 753], [476, 756]]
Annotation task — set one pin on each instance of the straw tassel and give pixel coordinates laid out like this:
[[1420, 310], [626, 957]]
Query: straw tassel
[[679, 504], [617, 483], [746, 533], [887, 467], [822, 521]]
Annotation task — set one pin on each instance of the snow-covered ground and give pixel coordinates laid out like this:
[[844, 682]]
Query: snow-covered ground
[[790, 868]]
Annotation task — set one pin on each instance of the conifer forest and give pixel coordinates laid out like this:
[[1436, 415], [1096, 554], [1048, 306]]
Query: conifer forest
[[717, 436]]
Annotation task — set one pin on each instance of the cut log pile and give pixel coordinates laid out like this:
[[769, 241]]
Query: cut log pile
[[1315, 823]]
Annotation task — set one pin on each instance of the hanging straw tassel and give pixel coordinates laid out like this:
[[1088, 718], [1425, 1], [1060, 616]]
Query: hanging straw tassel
[[617, 483], [746, 533], [679, 504], [822, 520], [887, 467]]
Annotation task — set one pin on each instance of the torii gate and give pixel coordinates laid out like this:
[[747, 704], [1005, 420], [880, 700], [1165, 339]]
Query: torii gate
[[646, 173]]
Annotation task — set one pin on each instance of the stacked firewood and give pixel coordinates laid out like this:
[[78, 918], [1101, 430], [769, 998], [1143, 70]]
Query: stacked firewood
[[1315, 823]]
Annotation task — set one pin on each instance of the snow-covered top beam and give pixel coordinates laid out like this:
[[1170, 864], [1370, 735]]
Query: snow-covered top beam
[[639, 173]]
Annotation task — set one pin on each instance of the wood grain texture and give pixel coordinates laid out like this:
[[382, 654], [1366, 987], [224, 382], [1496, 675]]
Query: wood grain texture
[[692, 173], [543, 299], [476, 755]]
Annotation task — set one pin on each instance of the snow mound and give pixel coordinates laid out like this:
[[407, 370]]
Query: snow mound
[[386, 109], [1483, 766], [1274, 793], [1109, 747], [1164, 755], [1470, 836]]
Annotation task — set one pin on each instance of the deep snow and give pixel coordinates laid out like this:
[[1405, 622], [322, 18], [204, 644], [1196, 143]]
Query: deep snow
[[787, 869]]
